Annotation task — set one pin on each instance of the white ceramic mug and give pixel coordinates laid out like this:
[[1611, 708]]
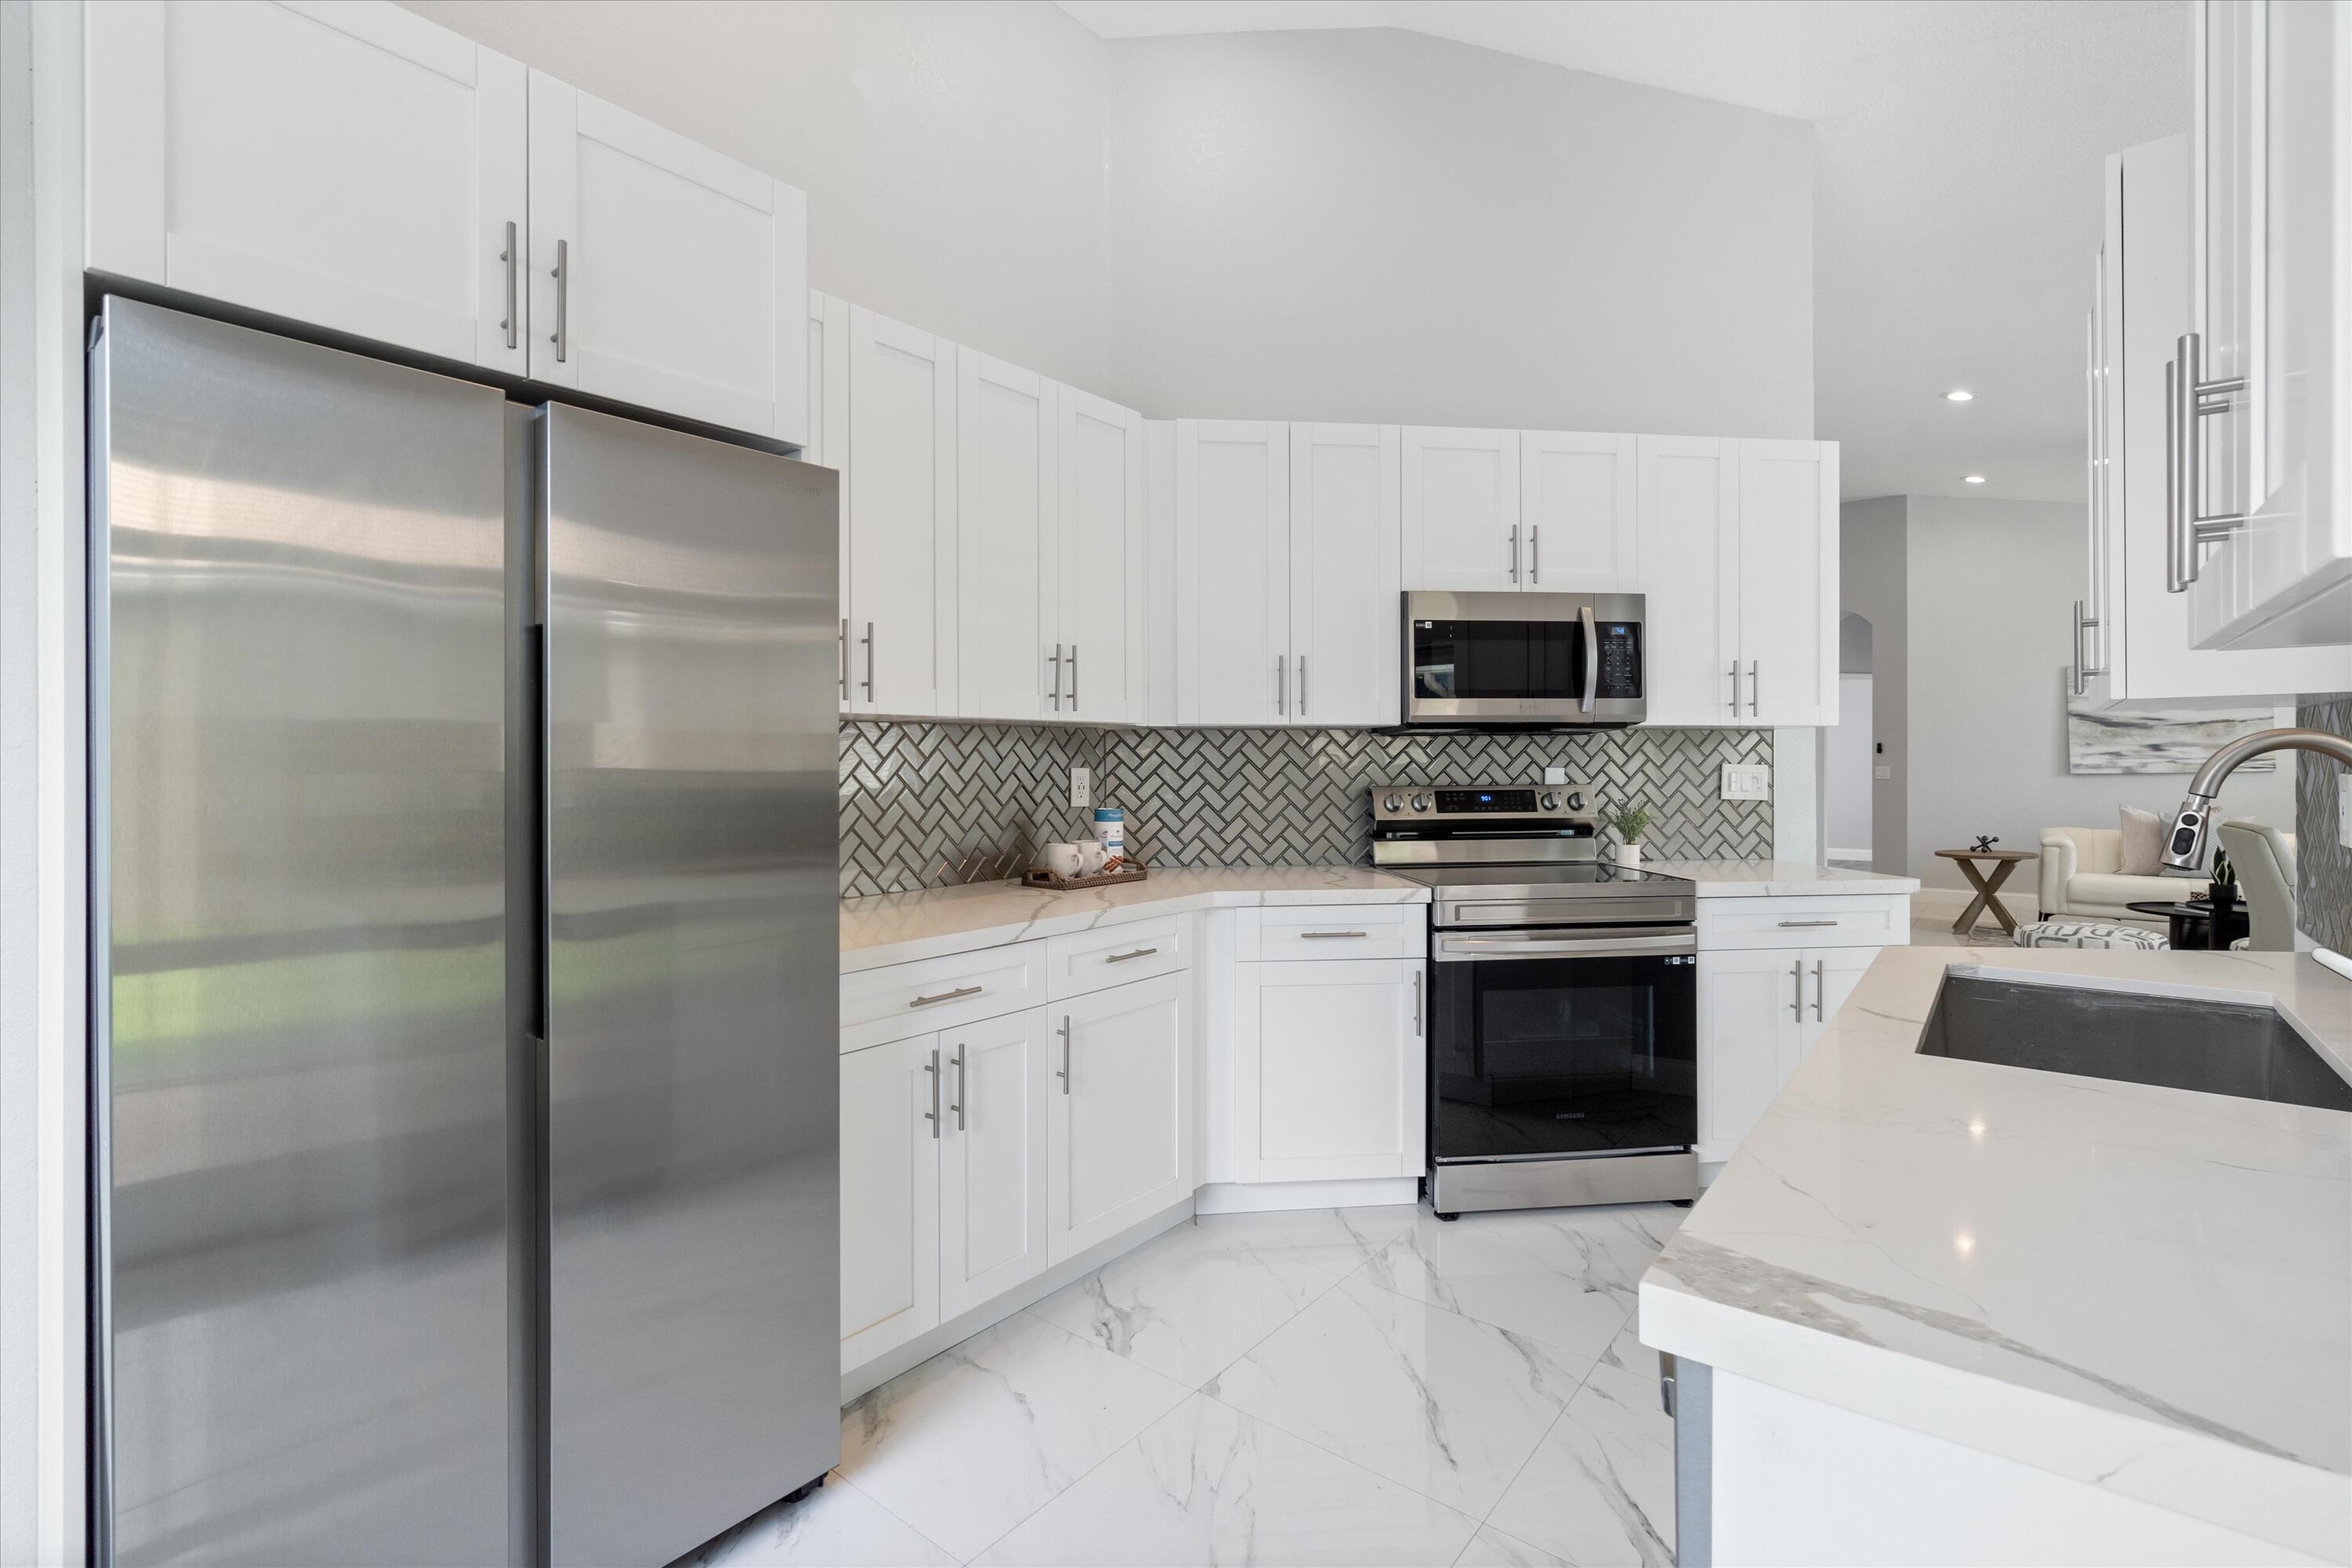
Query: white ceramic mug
[[1091, 856], [1062, 860]]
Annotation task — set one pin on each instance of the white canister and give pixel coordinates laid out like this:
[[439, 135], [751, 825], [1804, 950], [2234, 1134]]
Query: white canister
[[1110, 832]]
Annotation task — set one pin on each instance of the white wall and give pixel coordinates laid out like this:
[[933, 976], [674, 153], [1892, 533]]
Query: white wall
[[1382, 226], [1874, 583], [953, 149], [1341, 225], [1845, 772], [1991, 586]]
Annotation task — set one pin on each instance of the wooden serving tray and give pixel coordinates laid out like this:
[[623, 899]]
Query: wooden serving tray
[[1040, 878]]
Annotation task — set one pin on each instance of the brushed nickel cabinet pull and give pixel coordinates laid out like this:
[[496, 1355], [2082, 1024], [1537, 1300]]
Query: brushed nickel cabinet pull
[[1064, 1074], [561, 337], [1123, 957], [960, 992], [1793, 925], [514, 266], [1329, 935], [1797, 1005], [1820, 989], [960, 1095], [932, 1115]]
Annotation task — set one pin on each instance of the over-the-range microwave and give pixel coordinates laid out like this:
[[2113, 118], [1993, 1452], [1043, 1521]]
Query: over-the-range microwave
[[1517, 661]]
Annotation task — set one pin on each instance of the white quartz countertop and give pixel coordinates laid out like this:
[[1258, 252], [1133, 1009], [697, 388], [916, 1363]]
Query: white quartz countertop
[[1777, 879], [898, 927], [2146, 1289]]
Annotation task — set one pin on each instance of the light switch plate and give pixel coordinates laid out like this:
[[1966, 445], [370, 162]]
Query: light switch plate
[[2344, 810], [1082, 788], [1747, 781], [1881, 772]]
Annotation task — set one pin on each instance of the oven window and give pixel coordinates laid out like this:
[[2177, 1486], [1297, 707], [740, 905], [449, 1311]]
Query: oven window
[[1468, 662], [1563, 1055]]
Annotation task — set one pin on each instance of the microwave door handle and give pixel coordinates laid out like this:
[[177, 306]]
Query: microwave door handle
[[1592, 658]]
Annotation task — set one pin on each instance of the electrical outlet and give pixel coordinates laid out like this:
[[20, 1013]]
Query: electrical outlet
[[1881, 772], [2344, 810], [1747, 782], [1082, 788], [1554, 775]]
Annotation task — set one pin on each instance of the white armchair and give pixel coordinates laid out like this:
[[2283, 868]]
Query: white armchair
[[2082, 876], [2264, 859]]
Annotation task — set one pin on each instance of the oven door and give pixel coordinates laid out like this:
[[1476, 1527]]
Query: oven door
[[1523, 658], [1557, 1042]]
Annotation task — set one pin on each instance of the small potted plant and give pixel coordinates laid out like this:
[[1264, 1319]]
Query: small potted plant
[[1629, 822]]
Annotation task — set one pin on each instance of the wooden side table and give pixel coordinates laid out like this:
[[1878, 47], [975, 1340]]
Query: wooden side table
[[2003, 862]]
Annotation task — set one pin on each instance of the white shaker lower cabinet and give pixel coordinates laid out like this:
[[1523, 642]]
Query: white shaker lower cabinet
[[1118, 1112], [890, 1141], [1329, 1069], [1760, 1009], [991, 1158], [355, 167]]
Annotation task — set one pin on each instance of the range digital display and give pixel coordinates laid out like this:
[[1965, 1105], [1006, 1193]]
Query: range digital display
[[1506, 801]]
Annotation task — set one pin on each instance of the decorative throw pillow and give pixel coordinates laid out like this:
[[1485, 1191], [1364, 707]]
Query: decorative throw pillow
[[2143, 843]]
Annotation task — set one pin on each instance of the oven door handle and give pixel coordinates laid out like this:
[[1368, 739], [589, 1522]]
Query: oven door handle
[[1483, 949]]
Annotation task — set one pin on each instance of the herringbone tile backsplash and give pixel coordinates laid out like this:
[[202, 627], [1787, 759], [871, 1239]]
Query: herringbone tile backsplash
[[927, 805]]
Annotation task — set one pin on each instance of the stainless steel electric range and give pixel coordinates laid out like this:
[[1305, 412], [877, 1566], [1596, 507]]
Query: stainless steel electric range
[[1563, 1001]]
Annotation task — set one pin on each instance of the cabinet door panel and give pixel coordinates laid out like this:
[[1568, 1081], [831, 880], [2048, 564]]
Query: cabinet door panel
[[686, 274], [1117, 1111], [902, 519], [352, 167], [1461, 509], [1578, 500], [1329, 1070], [889, 1198], [1788, 580], [1689, 509], [1099, 606], [1747, 1039], [1005, 545], [828, 431], [1232, 538], [1344, 573], [992, 1159]]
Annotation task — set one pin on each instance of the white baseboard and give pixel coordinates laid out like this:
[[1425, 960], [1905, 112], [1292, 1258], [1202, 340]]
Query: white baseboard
[[1260, 1197], [1862, 855]]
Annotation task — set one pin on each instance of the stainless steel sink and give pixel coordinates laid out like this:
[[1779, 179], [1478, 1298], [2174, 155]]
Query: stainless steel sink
[[2174, 1042]]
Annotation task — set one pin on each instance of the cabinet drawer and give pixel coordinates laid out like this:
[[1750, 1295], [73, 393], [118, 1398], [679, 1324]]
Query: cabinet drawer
[[1091, 960], [1332, 932], [1841, 921], [890, 1004]]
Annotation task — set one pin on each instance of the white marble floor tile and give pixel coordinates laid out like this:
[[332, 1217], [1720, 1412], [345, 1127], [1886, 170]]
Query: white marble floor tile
[[974, 1440], [837, 1526], [1449, 1406], [1599, 1491], [1564, 1276], [1490, 1548], [1207, 1484], [1336, 1240], [1189, 1300]]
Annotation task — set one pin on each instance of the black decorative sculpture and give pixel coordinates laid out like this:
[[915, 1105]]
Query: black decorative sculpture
[[1983, 845]]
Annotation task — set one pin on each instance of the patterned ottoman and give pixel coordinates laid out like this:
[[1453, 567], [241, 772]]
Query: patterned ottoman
[[2087, 934]]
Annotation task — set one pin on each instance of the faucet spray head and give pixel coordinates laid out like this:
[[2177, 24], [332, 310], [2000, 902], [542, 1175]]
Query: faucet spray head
[[2184, 850]]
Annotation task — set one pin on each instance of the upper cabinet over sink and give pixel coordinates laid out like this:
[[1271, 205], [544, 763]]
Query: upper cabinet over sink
[[355, 168]]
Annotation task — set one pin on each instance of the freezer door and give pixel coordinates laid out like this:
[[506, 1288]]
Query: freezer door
[[692, 1057], [300, 911]]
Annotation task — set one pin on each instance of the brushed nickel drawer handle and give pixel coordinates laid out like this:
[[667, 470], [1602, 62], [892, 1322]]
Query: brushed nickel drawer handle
[[960, 992], [1123, 957], [1329, 935], [1792, 925]]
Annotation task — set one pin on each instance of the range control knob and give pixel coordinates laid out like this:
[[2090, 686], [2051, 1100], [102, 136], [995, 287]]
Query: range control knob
[[1576, 800], [1550, 802], [1394, 802], [1421, 803]]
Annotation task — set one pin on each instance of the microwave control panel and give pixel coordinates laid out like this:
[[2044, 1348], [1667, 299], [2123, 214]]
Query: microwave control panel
[[1620, 659]]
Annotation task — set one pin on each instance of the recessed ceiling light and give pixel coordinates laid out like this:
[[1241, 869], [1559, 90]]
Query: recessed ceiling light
[[1960, 395], [1971, 478]]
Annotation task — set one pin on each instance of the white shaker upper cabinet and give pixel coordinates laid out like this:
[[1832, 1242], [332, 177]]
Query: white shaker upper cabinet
[[1232, 572], [2273, 246], [1690, 536], [1005, 545], [1461, 516], [1099, 614], [902, 609], [1578, 504], [663, 275], [349, 166], [828, 430], [1345, 609], [1788, 580]]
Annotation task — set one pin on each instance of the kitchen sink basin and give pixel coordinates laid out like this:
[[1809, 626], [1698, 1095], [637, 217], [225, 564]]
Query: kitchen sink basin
[[2173, 1042]]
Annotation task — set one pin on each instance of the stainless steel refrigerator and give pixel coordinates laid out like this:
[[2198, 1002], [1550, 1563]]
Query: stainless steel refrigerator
[[464, 843]]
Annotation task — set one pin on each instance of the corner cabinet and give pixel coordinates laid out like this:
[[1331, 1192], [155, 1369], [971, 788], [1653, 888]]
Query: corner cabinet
[[1329, 1069], [351, 167], [2273, 242], [663, 275]]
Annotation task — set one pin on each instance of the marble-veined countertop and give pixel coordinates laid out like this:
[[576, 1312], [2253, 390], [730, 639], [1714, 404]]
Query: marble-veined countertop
[[898, 927], [2145, 1289]]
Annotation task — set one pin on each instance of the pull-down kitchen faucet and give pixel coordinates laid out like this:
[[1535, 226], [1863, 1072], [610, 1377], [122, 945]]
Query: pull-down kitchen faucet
[[2184, 854]]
